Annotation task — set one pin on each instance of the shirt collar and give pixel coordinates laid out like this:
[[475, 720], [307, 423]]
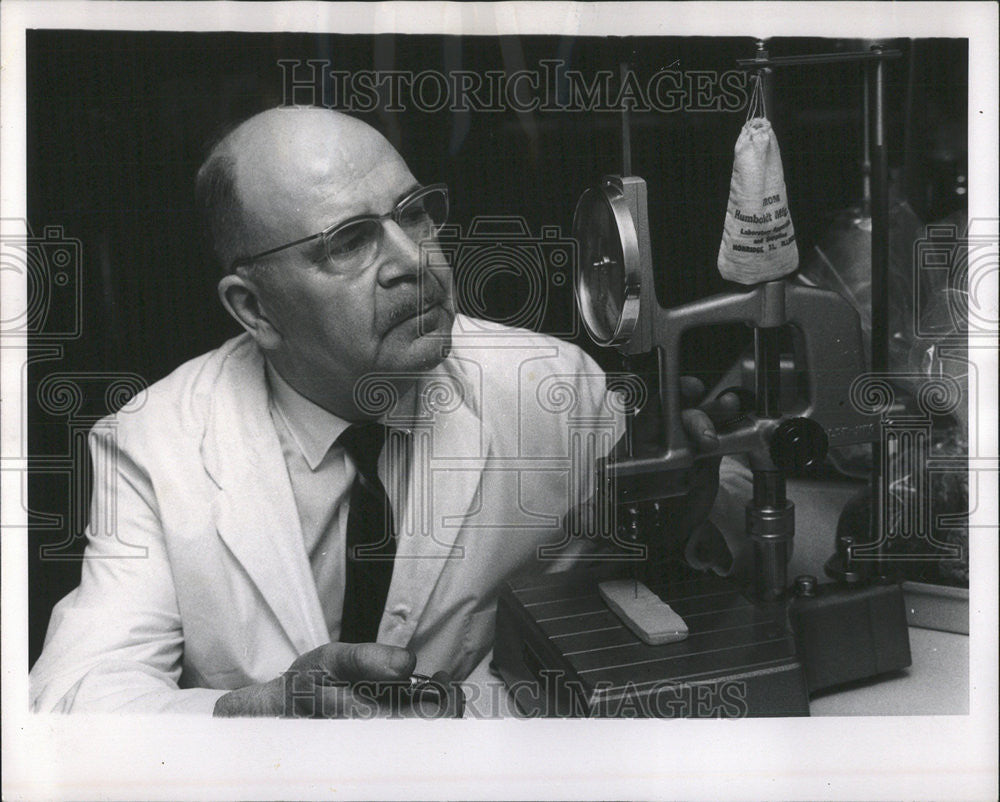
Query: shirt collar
[[314, 429]]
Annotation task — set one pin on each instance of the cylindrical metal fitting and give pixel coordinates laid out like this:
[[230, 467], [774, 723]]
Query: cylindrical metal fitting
[[771, 532], [771, 523], [770, 568]]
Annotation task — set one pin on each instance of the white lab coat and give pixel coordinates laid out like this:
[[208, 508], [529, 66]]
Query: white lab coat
[[196, 579]]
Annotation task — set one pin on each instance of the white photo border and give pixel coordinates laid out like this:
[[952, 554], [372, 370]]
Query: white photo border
[[112, 757]]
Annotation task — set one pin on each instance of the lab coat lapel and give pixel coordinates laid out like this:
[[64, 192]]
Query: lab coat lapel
[[450, 446], [254, 510]]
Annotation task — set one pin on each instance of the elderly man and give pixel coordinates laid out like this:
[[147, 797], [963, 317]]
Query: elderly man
[[337, 494]]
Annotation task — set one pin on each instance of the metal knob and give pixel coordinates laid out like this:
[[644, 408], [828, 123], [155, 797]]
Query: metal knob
[[798, 443]]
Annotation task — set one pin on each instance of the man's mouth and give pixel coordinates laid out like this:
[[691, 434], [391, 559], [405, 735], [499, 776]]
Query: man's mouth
[[410, 311]]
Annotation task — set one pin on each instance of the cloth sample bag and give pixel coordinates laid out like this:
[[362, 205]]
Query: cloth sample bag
[[758, 239]]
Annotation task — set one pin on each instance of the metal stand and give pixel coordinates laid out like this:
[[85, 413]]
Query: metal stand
[[876, 186], [779, 643]]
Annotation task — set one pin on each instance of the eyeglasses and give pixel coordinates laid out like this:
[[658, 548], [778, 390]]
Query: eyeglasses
[[352, 245]]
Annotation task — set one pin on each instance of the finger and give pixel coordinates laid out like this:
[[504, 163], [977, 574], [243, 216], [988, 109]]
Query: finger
[[728, 402], [726, 409], [341, 701], [355, 662], [699, 428], [692, 390]]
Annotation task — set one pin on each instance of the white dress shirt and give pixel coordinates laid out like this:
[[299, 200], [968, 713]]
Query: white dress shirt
[[321, 474]]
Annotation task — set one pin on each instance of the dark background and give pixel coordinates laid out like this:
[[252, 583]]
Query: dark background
[[118, 123]]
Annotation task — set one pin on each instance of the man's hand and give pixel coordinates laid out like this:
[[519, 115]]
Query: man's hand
[[698, 424], [707, 548], [704, 477], [319, 683]]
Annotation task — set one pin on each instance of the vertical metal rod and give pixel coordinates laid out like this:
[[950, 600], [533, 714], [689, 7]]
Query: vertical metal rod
[[866, 149], [880, 277], [630, 413], [764, 75], [626, 128], [770, 519], [767, 93], [908, 121], [769, 489], [767, 361]]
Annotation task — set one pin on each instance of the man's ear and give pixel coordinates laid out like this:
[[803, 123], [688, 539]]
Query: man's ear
[[242, 300]]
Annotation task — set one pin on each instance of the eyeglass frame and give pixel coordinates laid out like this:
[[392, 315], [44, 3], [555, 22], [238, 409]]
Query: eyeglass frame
[[409, 197]]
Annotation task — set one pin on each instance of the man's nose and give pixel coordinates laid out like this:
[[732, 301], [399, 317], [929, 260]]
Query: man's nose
[[400, 255]]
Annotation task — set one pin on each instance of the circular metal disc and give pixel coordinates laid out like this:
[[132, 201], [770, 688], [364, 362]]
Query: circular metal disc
[[607, 282]]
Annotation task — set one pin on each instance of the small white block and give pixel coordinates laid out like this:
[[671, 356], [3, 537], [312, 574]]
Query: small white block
[[642, 611]]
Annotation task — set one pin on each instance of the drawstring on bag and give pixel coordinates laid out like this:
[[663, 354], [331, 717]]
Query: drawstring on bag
[[758, 238]]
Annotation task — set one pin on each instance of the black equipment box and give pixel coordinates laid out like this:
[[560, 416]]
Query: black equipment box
[[850, 633], [563, 652]]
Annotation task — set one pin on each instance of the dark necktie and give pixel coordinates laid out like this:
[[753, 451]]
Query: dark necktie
[[371, 541]]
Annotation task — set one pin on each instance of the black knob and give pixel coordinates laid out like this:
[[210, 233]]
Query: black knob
[[805, 586], [798, 443]]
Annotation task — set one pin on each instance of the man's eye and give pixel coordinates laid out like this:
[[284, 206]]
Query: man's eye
[[350, 240], [415, 218]]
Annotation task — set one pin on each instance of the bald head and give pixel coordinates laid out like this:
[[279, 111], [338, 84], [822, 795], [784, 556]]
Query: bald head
[[323, 322], [282, 172]]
